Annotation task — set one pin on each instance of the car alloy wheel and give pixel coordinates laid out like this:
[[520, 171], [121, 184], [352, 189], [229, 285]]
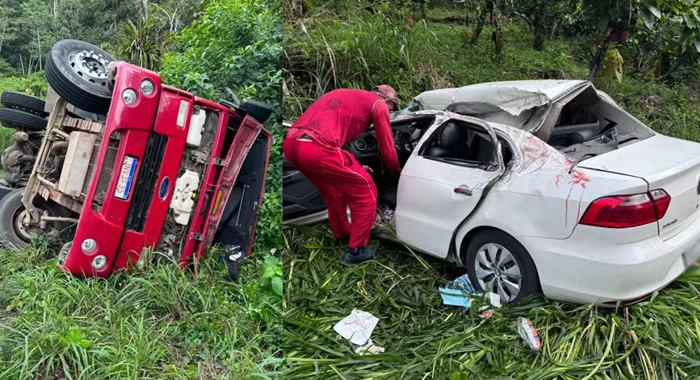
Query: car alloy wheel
[[497, 271]]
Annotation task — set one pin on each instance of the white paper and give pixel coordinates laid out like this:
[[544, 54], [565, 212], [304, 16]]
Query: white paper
[[495, 300], [357, 327]]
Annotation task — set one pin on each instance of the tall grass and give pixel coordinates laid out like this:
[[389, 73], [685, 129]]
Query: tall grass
[[160, 324], [656, 339]]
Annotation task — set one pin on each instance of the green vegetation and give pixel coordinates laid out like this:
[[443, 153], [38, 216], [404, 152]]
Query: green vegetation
[[353, 44], [159, 324], [657, 338], [162, 323]]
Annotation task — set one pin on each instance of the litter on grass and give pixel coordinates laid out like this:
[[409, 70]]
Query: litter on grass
[[495, 300], [357, 327], [369, 348], [457, 292], [529, 334], [486, 314]]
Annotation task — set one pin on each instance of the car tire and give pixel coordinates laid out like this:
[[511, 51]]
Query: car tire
[[17, 119], [494, 260], [78, 72], [12, 233], [24, 102]]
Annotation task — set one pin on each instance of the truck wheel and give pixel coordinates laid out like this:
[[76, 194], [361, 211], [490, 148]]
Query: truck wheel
[[13, 234], [77, 71], [24, 102], [21, 120], [498, 263]]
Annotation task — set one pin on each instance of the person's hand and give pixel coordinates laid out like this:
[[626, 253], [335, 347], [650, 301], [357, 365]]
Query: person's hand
[[368, 169]]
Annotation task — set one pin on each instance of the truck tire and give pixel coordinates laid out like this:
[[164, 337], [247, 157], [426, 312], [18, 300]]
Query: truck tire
[[24, 102], [17, 119], [12, 233], [78, 72]]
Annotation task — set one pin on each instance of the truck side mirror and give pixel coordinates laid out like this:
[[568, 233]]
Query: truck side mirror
[[257, 109]]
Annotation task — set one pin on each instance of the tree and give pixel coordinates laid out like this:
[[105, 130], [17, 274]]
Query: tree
[[36, 21], [142, 43], [543, 17], [8, 27]]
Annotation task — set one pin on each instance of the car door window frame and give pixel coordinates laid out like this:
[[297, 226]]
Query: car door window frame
[[493, 165]]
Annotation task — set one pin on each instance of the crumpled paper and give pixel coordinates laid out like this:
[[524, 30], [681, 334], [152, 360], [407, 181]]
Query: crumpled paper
[[357, 327]]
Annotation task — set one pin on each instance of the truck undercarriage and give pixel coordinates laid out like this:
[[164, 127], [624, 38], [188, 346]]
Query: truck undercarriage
[[164, 170]]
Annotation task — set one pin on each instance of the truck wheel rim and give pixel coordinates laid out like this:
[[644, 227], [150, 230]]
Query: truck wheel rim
[[20, 229], [90, 66], [497, 271]]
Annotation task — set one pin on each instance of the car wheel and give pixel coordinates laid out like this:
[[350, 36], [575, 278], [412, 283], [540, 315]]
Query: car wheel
[[78, 72], [13, 233], [17, 119], [24, 102], [498, 263]]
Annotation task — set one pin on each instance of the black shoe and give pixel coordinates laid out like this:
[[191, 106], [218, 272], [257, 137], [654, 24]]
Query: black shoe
[[343, 241], [359, 255]]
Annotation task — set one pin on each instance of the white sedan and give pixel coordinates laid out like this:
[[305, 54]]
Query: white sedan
[[536, 185]]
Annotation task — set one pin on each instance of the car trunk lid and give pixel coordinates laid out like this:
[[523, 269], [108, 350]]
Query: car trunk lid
[[664, 163]]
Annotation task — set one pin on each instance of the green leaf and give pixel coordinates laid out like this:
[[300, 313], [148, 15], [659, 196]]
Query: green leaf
[[277, 286], [655, 11]]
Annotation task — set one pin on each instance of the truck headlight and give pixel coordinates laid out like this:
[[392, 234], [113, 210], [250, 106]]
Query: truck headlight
[[147, 87], [129, 97], [88, 246], [99, 262]]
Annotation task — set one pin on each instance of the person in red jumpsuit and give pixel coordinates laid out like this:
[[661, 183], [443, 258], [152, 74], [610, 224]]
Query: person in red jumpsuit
[[314, 145]]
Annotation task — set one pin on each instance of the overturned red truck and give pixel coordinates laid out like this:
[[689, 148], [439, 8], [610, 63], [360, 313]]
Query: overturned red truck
[[127, 164]]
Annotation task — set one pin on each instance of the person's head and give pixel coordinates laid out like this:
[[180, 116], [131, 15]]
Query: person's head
[[387, 93]]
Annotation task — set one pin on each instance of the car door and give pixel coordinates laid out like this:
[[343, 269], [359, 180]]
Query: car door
[[438, 190]]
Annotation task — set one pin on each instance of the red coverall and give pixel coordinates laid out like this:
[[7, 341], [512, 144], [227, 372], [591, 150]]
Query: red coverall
[[314, 145]]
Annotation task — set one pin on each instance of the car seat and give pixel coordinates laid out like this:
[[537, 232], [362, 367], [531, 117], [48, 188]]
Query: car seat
[[451, 143]]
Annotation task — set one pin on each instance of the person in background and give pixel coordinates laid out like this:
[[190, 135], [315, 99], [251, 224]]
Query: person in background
[[314, 145]]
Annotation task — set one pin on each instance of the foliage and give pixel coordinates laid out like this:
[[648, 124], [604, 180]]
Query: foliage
[[142, 44], [265, 294], [425, 339], [162, 323], [234, 44], [367, 49]]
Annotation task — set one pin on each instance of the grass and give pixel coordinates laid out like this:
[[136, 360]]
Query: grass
[[655, 339], [160, 324]]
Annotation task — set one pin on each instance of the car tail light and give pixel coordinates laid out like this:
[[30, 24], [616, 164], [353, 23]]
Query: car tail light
[[623, 211]]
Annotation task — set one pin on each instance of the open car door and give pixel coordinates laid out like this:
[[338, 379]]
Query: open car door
[[443, 181]]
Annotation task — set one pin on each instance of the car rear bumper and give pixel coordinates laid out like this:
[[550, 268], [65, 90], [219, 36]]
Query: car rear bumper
[[587, 268]]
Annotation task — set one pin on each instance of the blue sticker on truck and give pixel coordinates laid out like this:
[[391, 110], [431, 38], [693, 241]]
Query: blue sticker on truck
[[126, 177]]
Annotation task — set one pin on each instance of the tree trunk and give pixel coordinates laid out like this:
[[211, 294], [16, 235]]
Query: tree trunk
[[497, 35], [2, 36], [539, 31], [480, 22], [598, 57]]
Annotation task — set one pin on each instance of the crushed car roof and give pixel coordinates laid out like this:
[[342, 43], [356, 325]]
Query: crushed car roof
[[513, 97]]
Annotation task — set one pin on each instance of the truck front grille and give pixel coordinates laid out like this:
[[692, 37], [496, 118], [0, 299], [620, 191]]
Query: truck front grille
[[105, 173], [146, 182]]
